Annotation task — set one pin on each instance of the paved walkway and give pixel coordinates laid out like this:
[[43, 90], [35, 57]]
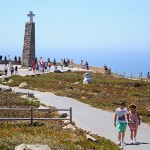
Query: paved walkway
[[91, 119]]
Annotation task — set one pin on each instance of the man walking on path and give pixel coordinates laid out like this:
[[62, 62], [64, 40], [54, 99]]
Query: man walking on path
[[121, 122]]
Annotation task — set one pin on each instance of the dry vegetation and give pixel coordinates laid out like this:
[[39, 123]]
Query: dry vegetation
[[50, 133]]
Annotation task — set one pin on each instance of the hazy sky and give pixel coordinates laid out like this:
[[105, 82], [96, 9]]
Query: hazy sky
[[109, 28]]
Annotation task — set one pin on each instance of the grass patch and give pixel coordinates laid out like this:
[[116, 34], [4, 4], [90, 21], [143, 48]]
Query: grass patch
[[30, 102]]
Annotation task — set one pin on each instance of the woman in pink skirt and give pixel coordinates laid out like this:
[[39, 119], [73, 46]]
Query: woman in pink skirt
[[134, 122]]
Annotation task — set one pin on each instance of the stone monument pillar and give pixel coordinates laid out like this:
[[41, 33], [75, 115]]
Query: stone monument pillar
[[28, 54]]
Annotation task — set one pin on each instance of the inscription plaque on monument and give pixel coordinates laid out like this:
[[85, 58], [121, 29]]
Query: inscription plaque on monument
[[28, 54]]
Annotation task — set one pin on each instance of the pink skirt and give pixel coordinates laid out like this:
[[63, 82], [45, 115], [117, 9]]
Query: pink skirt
[[133, 126]]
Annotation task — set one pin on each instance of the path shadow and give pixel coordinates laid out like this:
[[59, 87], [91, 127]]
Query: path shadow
[[138, 143]]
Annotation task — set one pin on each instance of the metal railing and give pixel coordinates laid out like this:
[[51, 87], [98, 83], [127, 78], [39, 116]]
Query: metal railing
[[32, 109]]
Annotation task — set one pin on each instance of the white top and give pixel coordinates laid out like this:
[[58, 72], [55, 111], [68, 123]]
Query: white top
[[5, 67], [121, 114]]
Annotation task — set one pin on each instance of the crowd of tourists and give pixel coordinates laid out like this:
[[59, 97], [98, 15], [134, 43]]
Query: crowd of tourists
[[9, 64], [39, 65], [7, 60], [10, 67]]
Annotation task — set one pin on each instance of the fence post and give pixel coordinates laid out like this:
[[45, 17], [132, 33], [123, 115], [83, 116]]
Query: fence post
[[70, 115], [31, 116], [131, 75]]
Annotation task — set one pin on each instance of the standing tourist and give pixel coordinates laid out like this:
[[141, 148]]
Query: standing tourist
[[48, 60], [43, 66], [86, 65], [35, 60], [1, 59], [6, 69], [9, 62], [148, 75], [37, 67], [19, 60], [46, 66], [140, 76], [81, 64], [11, 68], [134, 122], [54, 62], [33, 66], [61, 63], [16, 70], [120, 120], [49, 66], [15, 58]]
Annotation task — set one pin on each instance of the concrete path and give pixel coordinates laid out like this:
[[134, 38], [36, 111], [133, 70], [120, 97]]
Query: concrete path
[[91, 119]]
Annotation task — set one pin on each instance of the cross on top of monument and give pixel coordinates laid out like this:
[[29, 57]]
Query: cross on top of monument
[[31, 15]]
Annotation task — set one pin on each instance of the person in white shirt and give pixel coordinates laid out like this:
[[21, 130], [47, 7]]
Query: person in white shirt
[[6, 69], [120, 121]]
